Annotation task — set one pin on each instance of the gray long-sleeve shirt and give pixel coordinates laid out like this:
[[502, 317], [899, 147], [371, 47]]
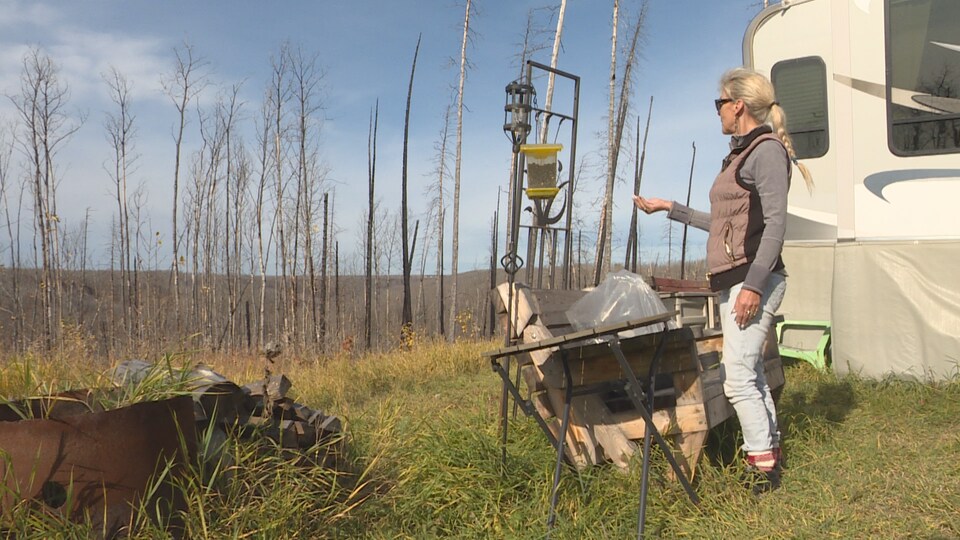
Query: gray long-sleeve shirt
[[766, 168]]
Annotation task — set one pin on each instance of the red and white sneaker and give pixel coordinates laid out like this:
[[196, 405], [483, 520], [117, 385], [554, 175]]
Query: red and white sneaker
[[762, 471]]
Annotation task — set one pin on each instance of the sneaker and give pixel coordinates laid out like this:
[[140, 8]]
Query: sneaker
[[760, 476], [760, 482]]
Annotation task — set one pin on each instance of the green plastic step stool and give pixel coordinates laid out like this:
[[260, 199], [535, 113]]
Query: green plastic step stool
[[817, 356]]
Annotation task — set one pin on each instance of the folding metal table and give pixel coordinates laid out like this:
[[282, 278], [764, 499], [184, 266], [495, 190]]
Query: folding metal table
[[567, 345]]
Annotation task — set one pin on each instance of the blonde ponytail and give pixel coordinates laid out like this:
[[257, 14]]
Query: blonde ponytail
[[778, 119], [756, 92]]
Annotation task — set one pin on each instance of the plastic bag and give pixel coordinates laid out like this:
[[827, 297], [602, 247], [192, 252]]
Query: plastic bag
[[621, 296]]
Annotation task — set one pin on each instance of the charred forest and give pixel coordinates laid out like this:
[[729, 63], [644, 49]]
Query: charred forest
[[252, 251]]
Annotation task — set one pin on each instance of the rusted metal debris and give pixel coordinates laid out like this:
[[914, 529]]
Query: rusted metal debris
[[111, 455], [69, 456], [258, 409]]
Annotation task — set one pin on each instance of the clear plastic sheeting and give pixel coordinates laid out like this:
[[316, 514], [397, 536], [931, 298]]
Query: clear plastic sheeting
[[621, 296]]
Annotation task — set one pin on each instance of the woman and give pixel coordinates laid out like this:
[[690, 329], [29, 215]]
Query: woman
[[748, 210]]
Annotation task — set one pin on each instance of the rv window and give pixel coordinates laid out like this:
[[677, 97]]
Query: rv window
[[801, 86], [923, 85]]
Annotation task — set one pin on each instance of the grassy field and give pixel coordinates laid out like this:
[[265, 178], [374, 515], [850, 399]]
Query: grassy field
[[866, 459]]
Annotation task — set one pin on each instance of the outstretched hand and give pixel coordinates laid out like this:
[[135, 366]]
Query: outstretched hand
[[652, 204]]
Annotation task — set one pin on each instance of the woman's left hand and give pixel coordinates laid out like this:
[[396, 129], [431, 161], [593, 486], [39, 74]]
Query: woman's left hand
[[746, 307]]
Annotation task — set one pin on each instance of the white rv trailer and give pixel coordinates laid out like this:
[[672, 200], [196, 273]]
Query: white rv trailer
[[871, 89]]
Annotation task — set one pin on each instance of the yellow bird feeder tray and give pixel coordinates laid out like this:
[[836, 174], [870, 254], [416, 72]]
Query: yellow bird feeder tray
[[541, 170]]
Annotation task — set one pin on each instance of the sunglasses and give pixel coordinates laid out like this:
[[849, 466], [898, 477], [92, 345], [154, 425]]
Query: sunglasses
[[719, 103]]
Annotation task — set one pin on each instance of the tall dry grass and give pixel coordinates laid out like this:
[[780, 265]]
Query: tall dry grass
[[867, 459]]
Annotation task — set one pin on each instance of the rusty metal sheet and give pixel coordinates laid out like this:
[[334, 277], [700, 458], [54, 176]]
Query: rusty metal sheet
[[217, 399], [105, 459]]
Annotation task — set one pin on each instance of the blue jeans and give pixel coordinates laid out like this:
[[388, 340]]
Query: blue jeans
[[744, 382]]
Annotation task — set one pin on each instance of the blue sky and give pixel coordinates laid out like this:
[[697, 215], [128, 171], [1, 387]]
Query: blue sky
[[365, 48]]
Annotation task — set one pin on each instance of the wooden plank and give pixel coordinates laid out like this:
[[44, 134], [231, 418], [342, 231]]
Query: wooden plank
[[537, 392], [581, 443], [616, 446], [690, 445], [711, 384], [709, 344], [593, 413], [687, 386], [685, 418], [525, 306], [576, 339], [553, 305], [663, 284], [717, 409], [594, 364]]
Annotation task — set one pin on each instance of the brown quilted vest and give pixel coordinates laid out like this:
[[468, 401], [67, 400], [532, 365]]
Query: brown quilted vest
[[736, 221]]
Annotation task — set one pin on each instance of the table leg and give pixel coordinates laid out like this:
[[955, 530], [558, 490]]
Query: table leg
[[564, 425], [633, 390]]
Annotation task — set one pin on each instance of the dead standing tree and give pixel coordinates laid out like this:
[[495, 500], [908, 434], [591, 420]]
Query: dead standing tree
[[633, 238], [228, 115], [605, 210], [45, 126], [541, 236], [279, 96], [407, 315], [264, 156], [15, 312], [120, 133], [306, 79], [438, 209], [324, 264], [545, 126], [182, 86], [368, 258], [455, 237], [616, 123]]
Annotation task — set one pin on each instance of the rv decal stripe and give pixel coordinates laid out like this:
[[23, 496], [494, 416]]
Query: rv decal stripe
[[948, 46], [874, 89], [899, 96], [876, 182]]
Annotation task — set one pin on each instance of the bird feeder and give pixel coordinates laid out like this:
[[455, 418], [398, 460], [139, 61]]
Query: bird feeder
[[541, 170]]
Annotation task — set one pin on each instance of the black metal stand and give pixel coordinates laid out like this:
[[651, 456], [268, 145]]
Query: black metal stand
[[643, 401]]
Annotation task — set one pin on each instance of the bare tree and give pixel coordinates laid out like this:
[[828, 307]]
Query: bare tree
[[305, 85], [45, 127], [683, 248], [120, 133], [633, 237], [264, 156], [14, 312], [407, 316], [228, 114], [616, 124], [606, 208], [182, 86], [545, 127], [455, 239], [368, 259], [321, 323], [437, 195], [279, 96]]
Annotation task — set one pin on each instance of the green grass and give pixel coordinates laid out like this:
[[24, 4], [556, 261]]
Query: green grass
[[866, 459]]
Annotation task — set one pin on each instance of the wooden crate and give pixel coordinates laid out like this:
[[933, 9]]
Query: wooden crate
[[605, 426]]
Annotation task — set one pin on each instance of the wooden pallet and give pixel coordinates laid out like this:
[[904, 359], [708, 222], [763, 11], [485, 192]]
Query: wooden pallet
[[605, 426]]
